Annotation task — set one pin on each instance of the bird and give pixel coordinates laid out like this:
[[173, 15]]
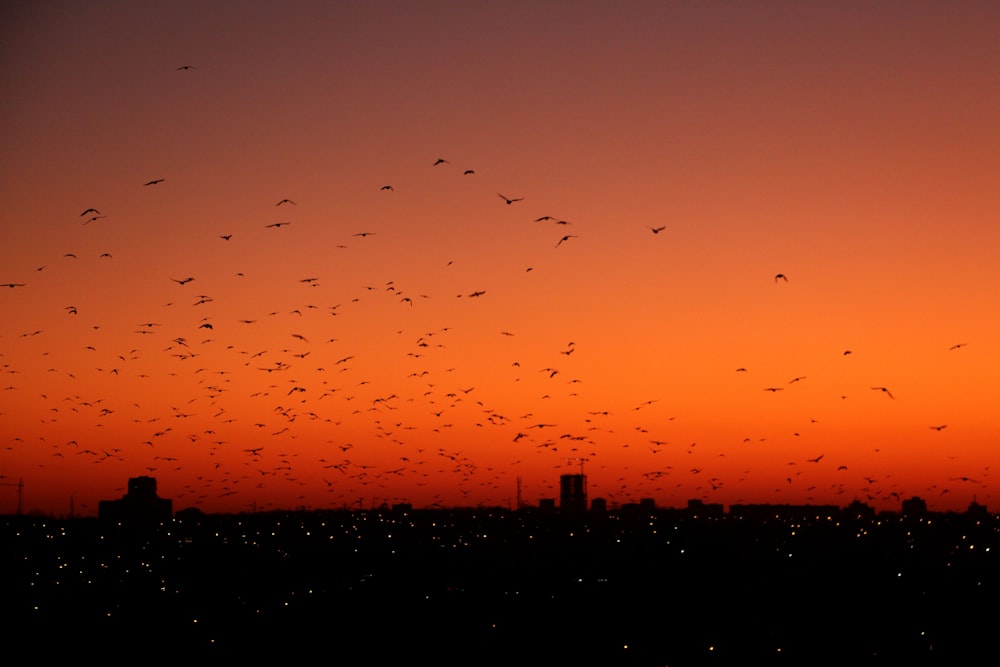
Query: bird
[[509, 200], [957, 346], [657, 230], [772, 389], [286, 201], [440, 160], [185, 67], [89, 211], [12, 285], [468, 172], [884, 390], [815, 460], [387, 188], [565, 238], [154, 181], [277, 224], [182, 281], [363, 234], [225, 237], [940, 428], [780, 276]]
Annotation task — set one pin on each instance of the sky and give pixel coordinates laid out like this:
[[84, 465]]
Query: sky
[[345, 254]]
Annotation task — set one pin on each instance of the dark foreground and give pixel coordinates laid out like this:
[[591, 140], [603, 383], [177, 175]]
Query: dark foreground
[[490, 587]]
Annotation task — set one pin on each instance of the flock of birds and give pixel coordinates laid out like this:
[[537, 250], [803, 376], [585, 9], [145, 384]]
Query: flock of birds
[[320, 437]]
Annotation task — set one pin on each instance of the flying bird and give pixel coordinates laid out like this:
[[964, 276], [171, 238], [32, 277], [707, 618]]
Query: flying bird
[[277, 224], [12, 285], [509, 200], [657, 230], [780, 276], [285, 201], [565, 238], [884, 390], [440, 160], [154, 181]]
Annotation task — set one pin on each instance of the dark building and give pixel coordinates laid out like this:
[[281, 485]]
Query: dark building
[[140, 503], [547, 506], [573, 494], [859, 510], [696, 507], [976, 510], [915, 506]]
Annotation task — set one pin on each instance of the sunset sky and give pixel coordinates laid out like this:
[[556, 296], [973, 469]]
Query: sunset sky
[[738, 252]]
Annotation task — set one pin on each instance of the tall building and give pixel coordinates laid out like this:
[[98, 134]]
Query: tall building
[[573, 494], [140, 503], [915, 506]]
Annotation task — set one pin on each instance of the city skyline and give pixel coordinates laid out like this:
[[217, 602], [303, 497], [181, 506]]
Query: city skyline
[[301, 254]]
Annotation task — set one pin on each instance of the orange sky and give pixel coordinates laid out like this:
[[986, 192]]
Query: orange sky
[[431, 343]]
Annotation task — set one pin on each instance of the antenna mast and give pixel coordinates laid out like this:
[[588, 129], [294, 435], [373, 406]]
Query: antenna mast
[[20, 490]]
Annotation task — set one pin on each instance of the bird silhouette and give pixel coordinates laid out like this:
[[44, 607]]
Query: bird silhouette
[[286, 201], [780, 276], [154, 181], [657, 230], [509, 200], [885, 391], [564, 239]]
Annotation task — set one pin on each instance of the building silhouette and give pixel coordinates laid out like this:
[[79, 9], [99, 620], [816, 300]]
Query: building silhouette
[[915, 506], [573, 495], [140, 504]]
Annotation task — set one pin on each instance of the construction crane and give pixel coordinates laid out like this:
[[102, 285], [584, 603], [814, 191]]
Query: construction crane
[[579, 460], [20, 488]]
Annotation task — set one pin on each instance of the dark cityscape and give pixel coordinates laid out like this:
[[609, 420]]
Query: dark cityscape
[[567, 579], [524, 333]]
